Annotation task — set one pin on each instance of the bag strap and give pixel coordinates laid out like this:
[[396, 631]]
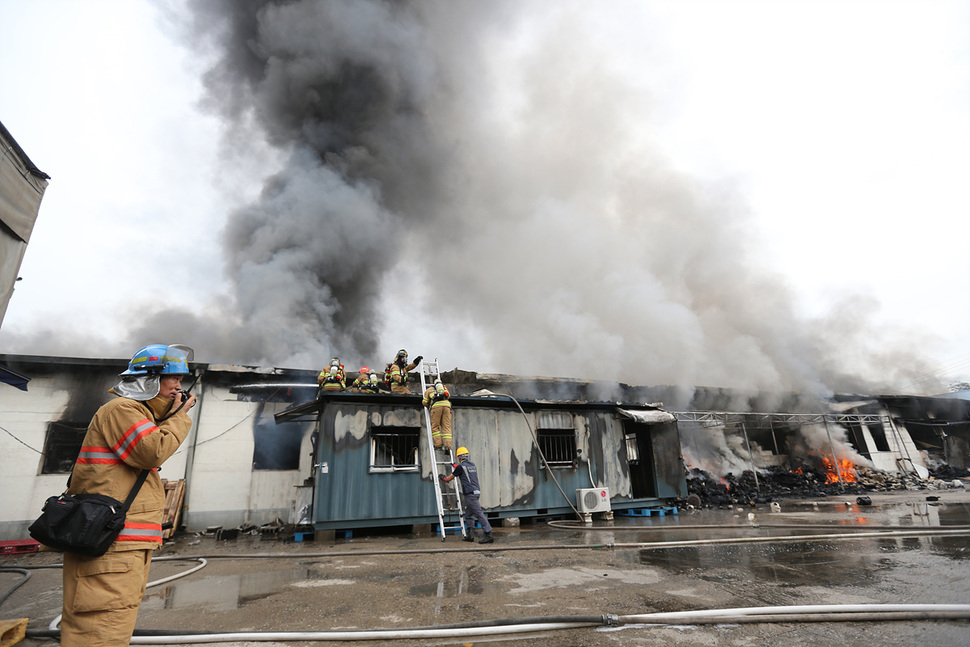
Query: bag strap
[[134, 490]]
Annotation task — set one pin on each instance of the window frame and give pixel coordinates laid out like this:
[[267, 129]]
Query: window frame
[[564, 435], [410, 441], [54, 439]]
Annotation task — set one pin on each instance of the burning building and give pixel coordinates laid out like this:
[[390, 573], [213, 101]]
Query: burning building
[[373, 465], [266, 448]]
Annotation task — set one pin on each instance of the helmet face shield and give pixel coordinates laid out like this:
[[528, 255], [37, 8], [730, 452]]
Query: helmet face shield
[[182, 348]]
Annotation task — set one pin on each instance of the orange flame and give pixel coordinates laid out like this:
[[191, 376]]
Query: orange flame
[[845, 467]]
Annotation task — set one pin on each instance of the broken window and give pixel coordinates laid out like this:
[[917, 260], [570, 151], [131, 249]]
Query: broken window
[[556, 434], [61, 447], [276, 446], [632, 451], [394, 449]]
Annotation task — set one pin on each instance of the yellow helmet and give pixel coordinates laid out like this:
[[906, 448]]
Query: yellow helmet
[[462, 451]]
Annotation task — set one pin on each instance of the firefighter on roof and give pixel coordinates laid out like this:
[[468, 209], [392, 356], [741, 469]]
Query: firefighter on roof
[[333, 377], [398, 373], [364, 382], [436, 398]]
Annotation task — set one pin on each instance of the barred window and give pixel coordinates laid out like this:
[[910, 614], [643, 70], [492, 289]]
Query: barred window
[[556, 433], [394, 449], [558, 446], [61, 447]]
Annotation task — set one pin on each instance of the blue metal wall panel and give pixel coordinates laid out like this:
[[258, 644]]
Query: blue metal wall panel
[[500, 442]]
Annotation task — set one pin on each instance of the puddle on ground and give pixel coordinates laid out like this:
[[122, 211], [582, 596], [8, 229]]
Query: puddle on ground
[[225, 592], [819, 562], [452, 584]]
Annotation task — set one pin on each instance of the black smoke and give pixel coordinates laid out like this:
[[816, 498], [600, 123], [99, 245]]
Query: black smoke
[[481, 178]]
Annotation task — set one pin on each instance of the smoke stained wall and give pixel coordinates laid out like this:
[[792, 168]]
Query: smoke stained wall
[[478, 182]]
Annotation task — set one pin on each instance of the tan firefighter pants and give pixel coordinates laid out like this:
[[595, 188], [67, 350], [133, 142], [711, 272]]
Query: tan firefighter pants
[[102, 596], [441, 425]]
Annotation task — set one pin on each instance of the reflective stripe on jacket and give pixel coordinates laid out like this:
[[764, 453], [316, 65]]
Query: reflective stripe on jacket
[[434, 399], [468, 473], [399, 375], [122, 440]]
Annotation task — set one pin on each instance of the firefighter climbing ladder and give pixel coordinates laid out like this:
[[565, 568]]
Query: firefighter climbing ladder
[[445, 494]]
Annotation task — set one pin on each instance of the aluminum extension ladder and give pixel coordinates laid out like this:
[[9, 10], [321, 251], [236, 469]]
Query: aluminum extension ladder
[[445, 494]]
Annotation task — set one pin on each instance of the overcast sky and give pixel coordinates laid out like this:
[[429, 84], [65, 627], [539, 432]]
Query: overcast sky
[[834, 135]]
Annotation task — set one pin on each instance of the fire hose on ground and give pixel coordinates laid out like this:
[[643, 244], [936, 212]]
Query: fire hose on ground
[[740, 615]]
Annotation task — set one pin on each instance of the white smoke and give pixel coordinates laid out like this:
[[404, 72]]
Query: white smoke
[[720, 449], [716, 450], [825, 441]]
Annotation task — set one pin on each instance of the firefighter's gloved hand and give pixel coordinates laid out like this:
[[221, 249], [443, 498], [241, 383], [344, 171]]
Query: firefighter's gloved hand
[[442, 477], [417, 360]]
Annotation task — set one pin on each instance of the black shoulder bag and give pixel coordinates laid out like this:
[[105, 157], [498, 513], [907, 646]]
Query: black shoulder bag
[[85, 524]]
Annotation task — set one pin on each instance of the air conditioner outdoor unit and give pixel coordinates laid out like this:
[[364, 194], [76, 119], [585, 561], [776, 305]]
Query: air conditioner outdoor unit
[[593, 499]]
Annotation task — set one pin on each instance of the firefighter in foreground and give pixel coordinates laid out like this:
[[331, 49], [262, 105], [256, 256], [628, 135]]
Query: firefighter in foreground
[[333, 377], [468, 473], [436, 398], [138, 430], [398, 372]]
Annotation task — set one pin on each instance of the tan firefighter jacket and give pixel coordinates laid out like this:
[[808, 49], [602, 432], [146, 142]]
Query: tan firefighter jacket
[[121, 440], [434, 398]]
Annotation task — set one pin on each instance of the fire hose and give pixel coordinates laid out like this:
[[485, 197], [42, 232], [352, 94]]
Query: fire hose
[[741, 615]]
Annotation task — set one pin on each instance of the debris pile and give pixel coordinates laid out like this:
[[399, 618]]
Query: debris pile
[[807, 482]]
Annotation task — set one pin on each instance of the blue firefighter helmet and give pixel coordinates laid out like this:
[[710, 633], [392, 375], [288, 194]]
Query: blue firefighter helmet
[[159, 359]]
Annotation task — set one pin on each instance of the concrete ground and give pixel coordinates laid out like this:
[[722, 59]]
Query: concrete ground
[[551, 569]]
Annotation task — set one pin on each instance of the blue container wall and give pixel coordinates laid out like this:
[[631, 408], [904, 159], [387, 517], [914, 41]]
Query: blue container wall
[[348, 494], [500, 443]]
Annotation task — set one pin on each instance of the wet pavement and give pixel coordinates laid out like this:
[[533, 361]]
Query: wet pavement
[[564, 568]]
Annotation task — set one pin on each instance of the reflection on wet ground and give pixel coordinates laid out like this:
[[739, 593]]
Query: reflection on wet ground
[[454, 583], [223, 592], [783, 564]]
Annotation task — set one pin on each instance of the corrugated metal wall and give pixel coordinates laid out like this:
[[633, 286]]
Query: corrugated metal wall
[[349, 494]]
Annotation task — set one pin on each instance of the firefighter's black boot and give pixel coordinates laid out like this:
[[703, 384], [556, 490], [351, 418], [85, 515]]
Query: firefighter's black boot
[[469, 537], [487, 538]]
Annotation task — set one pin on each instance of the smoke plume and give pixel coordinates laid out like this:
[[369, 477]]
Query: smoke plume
[[477, 181]]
